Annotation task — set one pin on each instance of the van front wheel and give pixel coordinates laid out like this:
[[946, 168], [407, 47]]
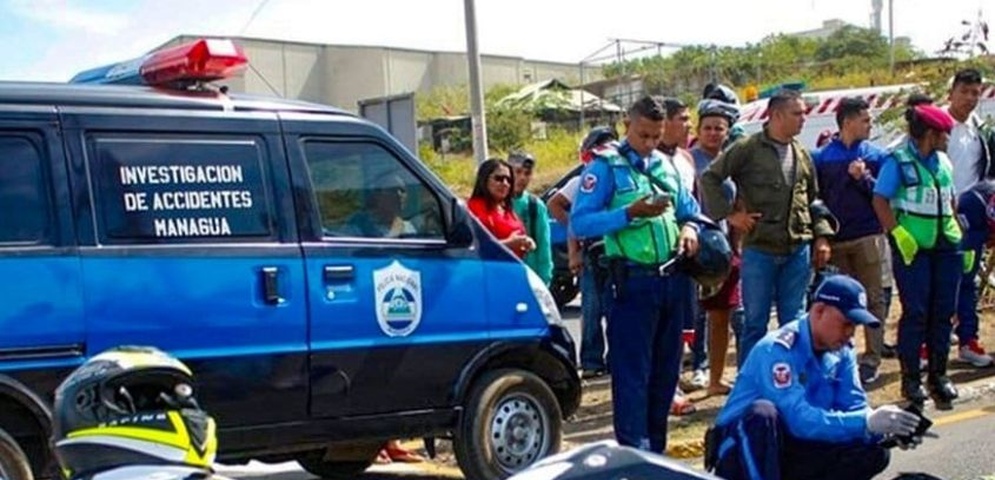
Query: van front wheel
[[511, 420], [13, 462]]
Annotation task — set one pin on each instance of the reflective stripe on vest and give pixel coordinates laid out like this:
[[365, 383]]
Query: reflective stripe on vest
[[648, 241], [925, 209]]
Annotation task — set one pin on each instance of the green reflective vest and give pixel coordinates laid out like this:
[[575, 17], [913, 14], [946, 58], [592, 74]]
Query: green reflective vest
[[648, 241], [924, 207]]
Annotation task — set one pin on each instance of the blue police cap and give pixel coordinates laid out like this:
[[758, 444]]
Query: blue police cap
[[849, 296]]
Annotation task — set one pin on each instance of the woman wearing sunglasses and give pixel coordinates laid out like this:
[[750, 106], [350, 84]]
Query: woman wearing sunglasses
[[490, 202]]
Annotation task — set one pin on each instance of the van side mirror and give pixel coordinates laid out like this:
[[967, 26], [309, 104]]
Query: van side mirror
[[460, 234]]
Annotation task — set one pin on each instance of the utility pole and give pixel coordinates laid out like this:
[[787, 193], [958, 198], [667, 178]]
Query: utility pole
[[476, 90], [891, 36]]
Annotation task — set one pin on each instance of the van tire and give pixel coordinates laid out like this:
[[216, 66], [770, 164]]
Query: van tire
[[317, 463], [498, 399], [13, 462]]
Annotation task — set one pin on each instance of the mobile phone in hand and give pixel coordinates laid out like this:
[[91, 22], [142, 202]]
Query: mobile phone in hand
[[660, 198]]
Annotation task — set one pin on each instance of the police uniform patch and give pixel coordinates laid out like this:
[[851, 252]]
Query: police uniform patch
[[909, 173], [786, 338], [588, 182], [782, 375]]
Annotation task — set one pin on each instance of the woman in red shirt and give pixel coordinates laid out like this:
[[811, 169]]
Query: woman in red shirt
[[491, 204]]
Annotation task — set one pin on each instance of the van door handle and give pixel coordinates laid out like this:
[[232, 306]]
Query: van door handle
[[271, 287], [339, 273]]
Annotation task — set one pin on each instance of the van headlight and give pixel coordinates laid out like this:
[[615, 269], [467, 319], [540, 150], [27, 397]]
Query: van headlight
[[544, 298]]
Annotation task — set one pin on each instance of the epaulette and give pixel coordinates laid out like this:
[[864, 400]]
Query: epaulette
[[786, 337]]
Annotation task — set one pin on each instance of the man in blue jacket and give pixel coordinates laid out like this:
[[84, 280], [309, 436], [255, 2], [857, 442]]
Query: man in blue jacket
[[976, 212], [846, 168], [798, 410]]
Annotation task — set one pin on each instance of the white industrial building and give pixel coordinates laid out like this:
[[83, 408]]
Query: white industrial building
[[343, 75]]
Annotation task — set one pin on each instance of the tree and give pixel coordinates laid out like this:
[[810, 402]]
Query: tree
[[853, 42], [972, 41]]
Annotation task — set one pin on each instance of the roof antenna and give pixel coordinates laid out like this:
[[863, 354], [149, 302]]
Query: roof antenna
[[252, 17]]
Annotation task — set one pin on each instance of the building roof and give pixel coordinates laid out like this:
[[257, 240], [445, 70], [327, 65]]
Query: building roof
[[556, 95]]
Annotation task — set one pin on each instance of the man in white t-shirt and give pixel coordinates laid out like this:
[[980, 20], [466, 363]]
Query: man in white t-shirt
[[584, 257], [968, 148]]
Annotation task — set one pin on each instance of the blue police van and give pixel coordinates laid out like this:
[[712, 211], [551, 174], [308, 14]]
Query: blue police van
[[328, 291]]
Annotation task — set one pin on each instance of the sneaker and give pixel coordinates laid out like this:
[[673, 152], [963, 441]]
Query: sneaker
[[699, 379], [973, 353], [868, 374]]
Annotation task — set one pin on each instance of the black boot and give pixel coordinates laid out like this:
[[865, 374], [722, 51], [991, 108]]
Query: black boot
[[941, 388], [912, 384]]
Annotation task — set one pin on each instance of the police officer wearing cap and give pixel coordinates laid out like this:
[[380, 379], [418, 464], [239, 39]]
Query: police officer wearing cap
[[633, 197], [798, 410], [914, 200]]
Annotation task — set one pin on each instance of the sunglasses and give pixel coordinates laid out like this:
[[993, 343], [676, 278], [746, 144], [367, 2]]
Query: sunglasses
[[502, 179]]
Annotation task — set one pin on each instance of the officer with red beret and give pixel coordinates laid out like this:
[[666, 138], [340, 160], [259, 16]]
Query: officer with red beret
[[915, 201]]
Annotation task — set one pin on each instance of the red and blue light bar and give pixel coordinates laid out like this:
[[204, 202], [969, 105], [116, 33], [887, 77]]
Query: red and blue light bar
[[202, 60]]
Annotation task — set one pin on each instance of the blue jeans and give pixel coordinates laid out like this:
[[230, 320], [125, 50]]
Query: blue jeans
[[779, 280], [594, 305], [967, 302]]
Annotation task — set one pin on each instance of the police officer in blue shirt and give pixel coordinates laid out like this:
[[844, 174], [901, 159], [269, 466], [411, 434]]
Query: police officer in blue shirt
[[914, 200], [632, 195], [798, 409]]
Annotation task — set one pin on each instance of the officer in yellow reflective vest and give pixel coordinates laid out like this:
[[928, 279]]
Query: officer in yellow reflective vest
[[631, 195], [915, 201]]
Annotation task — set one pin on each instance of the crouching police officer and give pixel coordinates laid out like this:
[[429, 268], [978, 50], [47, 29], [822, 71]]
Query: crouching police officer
[[631, 195], [798, 410], [128, 414]]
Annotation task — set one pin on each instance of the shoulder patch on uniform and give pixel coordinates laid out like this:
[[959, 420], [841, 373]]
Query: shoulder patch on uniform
[[588, 182], [781, 374], [786, 337]]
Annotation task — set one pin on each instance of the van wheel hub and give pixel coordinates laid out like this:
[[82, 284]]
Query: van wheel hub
[[518, 431]]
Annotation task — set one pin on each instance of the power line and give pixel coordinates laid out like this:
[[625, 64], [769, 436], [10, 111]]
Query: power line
[[252, 17]]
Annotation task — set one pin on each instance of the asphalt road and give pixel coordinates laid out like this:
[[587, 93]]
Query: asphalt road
[[963, 449]]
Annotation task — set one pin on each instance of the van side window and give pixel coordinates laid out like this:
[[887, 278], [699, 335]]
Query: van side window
[[25, 202], [171, 189], [363, 190]]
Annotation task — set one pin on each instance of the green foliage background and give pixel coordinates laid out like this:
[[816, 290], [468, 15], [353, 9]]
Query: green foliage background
[[850, 58]]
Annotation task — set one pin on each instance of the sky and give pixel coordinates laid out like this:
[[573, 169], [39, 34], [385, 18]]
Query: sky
[[51, 40]]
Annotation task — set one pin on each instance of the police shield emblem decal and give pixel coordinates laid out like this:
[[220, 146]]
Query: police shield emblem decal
[[398, 299], [782, 375]]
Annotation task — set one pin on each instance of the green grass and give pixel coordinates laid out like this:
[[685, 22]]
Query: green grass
[[555, 156]]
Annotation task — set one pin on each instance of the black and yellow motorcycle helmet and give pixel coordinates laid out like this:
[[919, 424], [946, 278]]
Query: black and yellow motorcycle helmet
[[130, 406]]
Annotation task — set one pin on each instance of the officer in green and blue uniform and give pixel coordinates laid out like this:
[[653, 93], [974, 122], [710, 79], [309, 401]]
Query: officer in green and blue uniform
[[632, 196], [915, 201]]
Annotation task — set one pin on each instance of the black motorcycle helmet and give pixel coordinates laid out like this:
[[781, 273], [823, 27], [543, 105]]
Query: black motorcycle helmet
[[721, 93], [710, 267], [130, 406], [598, 136]]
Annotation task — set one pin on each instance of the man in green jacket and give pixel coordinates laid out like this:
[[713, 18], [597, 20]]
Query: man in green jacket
[[776, 183], [533, 213]]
